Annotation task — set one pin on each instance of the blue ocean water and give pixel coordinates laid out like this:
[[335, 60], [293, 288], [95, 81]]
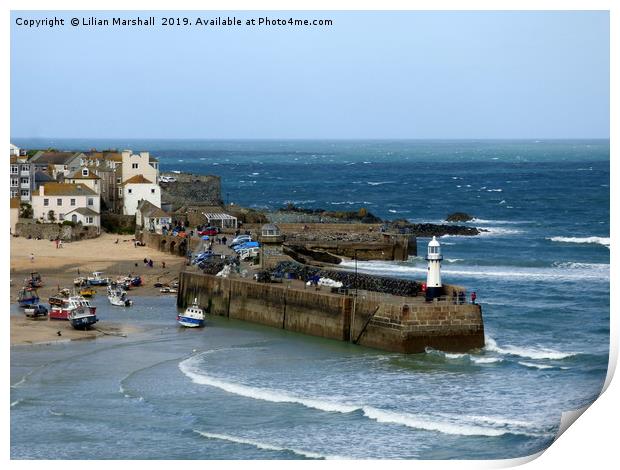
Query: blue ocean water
[[236, 390]]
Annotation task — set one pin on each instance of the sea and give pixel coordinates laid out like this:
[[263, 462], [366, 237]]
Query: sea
[[237, 390]]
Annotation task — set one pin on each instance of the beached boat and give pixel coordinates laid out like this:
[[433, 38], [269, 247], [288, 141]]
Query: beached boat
[[80, 281], [167, 290], [27, 296], [81, 318], [193, 316], [87, 292], [62, 307], [97, 279], [118, 297], [35, 311]]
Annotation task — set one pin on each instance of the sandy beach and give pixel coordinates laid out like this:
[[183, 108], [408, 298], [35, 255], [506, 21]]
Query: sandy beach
[[59, 266]]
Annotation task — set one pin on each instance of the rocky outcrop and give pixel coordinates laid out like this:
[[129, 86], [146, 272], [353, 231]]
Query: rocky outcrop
[[433, 230], [190, 189], [459, 217]]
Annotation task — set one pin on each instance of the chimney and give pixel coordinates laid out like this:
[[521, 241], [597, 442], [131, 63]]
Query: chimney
[[42, 190]]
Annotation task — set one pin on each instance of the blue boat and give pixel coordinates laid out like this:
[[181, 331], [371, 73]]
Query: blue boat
[[193, 316], [27, 296]]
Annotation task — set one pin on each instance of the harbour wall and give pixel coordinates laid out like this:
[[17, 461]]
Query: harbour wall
[[400, 327]]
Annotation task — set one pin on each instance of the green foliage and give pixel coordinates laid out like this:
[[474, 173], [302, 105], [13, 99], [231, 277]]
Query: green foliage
[[25, 211], [51, 216], [68, 222]]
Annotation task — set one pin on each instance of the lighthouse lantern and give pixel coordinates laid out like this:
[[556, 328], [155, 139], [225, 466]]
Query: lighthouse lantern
[[434, 288]]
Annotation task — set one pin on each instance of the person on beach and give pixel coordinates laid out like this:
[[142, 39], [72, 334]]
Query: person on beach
[[59, 243], [32, 257], [163, 264], [56, 243]]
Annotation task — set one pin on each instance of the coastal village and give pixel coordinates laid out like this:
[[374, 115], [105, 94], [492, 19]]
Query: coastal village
[[87, 225]]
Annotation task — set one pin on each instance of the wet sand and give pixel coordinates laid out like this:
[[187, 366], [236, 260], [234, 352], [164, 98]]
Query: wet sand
[[59, 266]]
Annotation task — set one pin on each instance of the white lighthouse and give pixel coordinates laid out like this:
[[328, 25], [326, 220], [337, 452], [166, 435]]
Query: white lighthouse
[[433, 276]]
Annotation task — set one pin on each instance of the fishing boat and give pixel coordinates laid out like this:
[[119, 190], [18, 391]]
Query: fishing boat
[[35, 311], [87, 291], [80, 281], [97, 279], [62, 307], [81, 318], [118, 297], [193, 316], [27, 296]]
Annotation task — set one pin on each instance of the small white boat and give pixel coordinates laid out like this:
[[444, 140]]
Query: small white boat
[[167, 290], [193, 316], [97, 279], [118, 297]]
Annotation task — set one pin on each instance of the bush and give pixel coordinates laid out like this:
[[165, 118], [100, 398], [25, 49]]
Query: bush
[[69, 223]]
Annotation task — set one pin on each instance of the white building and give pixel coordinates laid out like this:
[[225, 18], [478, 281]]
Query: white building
[[87, 177], [14, 150], [21, 178], [56, 163], [434, 287], [57, 202], [139, 164], [136, 189]]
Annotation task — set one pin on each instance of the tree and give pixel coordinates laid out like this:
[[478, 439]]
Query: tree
[[25, 211], [51, 216]]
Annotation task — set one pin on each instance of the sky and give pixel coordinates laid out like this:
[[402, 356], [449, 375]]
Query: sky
[[378, 75]]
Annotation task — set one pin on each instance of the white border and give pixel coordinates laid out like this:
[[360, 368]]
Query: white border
[[590, 443]]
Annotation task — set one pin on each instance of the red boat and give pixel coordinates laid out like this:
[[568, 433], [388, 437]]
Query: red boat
[[62, 309]]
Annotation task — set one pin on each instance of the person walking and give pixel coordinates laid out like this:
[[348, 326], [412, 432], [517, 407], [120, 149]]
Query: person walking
[[32, 257]]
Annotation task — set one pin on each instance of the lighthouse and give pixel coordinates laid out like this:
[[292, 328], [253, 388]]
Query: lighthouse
[[433, 275]]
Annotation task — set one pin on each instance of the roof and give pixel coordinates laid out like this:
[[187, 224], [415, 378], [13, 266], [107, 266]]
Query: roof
[[114, 156], [138, 179], [218, 216], [67, 189], [42, 177], [271, 227], [15, 203], [13, 158], [148, 209], [77, 175], [54, 158], [83, 211]]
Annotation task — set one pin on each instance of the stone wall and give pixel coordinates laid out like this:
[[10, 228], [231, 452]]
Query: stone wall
[[118, 222], [168, 243], [54, 230], [399, 327]]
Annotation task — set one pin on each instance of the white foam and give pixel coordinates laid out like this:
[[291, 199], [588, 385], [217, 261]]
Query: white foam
[[16, 402], [605, 241], [535, 366], [485, 360], [591, 271], [378, 183], [262, 445], [428, 423], [275, 396], [531, 353]]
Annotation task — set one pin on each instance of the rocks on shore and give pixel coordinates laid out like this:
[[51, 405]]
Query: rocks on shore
[[459, 217], [350, 280], [433, 230]]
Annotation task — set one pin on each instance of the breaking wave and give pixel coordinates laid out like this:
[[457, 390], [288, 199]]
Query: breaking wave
[[262, 445], [562, 271], [605, 241], [424, 422], [531, 353]]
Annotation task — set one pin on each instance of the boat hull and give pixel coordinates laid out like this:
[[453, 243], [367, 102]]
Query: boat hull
[[30, 301], [189, 322], [59, 314], [83, 322]]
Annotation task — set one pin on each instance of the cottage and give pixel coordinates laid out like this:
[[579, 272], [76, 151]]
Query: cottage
[[151, 217], [57, 202], [87, 177], [57, 164]]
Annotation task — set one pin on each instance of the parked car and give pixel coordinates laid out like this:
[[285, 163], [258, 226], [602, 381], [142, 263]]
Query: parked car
[[240, 239], [167, 179], [210, 231]]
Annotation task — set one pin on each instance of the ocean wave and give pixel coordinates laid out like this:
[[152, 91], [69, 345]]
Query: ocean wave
[[531, 353], [262, 445], [592, 271], [605, 241], [453, 260], [16, 402], [428, 423], [378, 183], [55, 413], [540, 366], [464, 356]]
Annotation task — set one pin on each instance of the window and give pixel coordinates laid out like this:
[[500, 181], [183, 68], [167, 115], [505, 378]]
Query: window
[[25, 168], [90, 201], [152, 191], [134, 166], [72, 202], [25, 192], [25, 180], [61, 216], [120, 191], [46, 202], [14, 181], [129, 191], [13, 193], [85, 172], [118, 181], [14, 169], [59, 202], [89, 220]]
